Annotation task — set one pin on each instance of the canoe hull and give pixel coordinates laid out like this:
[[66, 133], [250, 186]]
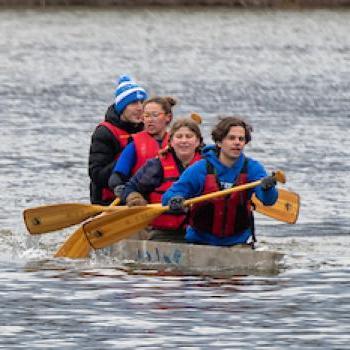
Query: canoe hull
[[197, 258]]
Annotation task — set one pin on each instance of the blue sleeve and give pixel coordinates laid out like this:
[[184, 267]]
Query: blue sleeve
[[190, 184], [126, 160], [256, 171], [146, 179]]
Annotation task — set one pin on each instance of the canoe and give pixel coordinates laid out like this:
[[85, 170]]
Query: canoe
[[194, 258]]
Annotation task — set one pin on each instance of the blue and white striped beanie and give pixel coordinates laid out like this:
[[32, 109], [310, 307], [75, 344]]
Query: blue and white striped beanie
[[127, 92]]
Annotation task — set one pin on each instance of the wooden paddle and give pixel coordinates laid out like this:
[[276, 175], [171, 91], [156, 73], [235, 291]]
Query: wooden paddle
[[285, 209], [54, 217], [109, 229], [77, 244]]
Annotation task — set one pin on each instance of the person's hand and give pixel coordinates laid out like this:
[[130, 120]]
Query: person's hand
[[118, 190], [267, 183], [176, 204], [135, 199]]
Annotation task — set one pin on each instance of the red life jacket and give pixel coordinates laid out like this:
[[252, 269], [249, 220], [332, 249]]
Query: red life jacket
[[123, 138], [170, 174], [222, 216], [146, 147]]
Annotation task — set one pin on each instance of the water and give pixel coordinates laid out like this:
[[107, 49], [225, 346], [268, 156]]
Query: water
[[286, 71]]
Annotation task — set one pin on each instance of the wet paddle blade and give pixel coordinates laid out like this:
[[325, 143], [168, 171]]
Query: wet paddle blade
[[112, 228], [286, 209], [76, 246], [58, 216]]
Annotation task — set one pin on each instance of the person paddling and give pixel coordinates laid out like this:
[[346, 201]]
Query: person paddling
[[157, 114], [123, 118], [223, 221], [158, 174]]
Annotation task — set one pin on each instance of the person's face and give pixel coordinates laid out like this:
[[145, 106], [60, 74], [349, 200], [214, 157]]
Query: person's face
[[155, 120], [233, 144], [184, 142], [133, 113]]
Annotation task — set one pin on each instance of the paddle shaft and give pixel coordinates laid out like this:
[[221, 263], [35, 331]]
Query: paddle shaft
[[278, 175], [221, 193], [115, 202]]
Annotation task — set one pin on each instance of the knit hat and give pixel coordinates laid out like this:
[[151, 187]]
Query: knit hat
[[127, 92]]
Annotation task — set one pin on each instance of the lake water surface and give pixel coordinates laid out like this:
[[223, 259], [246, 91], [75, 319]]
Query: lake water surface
[[288, 72]]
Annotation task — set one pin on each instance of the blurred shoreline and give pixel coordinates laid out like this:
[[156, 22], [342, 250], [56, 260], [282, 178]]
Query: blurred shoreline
[[280, 4]]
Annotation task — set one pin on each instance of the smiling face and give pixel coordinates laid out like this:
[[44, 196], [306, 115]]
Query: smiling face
[[155, 119], [232, 145], [184, 142]]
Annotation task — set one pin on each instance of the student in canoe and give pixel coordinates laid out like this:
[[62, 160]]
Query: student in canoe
[[157, 115], [157, 175], [223, 221], [123, 118]]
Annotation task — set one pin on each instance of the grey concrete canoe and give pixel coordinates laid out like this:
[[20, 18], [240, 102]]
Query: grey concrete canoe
[[197, 258]]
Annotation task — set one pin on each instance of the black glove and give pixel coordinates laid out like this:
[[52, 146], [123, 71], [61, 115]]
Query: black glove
[[118, 190], [176, 204], [267, 183]]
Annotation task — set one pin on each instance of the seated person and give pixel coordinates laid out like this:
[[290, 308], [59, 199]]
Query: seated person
[[222, 221], [157, 115], [158, 174]]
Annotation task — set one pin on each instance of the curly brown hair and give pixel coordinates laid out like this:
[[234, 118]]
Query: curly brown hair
[[221, 130]]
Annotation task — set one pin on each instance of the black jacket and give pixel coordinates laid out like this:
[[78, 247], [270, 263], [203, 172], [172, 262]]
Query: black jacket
[[103, 150]]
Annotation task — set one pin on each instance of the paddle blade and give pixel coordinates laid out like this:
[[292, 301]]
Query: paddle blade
[[112, 228], [58, 216], [76, 246], [54, 217], [286, 209]]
